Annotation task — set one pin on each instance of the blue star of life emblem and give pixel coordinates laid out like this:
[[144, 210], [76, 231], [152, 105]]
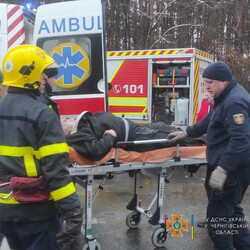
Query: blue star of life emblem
[[69, 65]]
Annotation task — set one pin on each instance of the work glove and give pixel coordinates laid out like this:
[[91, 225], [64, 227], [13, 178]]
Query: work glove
[[70, 236], [218, 178], [177, 136]]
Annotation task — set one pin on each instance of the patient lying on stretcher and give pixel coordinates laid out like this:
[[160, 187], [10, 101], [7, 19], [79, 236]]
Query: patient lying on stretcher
[[94, 135]]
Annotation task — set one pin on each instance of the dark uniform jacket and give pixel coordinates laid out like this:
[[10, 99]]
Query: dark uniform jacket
[[90, 141], [228, 129], [47, 100], [32, 144]]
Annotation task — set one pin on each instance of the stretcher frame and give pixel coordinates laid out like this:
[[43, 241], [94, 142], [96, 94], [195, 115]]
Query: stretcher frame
[[159, 236]]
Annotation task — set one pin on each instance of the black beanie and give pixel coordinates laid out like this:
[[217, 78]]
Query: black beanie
[[50, 72], [218, 71]]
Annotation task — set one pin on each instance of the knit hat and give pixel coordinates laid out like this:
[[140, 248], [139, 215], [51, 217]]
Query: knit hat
[[218, 71], [51, 70]]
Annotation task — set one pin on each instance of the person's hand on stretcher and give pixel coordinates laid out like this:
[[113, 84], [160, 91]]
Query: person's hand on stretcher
[[218, 176], [111, 132], [177, 135]]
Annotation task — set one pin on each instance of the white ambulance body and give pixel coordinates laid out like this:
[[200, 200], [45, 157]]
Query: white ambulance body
[[157, 85], [72, 33], [147, 85], [16, 27]]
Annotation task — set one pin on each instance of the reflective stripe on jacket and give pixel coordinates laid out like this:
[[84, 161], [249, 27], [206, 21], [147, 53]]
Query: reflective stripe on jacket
[[32, 143]]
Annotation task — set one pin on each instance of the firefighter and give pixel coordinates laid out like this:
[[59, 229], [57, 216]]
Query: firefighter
[[33, 148], [46, 88], [3, 91], [228, 147]]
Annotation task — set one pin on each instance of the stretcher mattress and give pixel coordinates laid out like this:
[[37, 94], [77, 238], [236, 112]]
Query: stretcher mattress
[[154, 156]]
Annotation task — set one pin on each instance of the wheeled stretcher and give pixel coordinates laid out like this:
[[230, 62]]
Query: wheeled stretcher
[[119, 160]]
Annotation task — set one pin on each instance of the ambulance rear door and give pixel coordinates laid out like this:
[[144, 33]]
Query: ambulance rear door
[[3, 32], [128, 96], [198, 91], [12, 30], [72, 33]]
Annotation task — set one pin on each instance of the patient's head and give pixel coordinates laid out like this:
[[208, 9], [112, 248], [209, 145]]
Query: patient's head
[[67, 125]]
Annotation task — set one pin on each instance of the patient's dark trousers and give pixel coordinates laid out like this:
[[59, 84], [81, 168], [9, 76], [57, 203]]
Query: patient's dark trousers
[[227, 225]]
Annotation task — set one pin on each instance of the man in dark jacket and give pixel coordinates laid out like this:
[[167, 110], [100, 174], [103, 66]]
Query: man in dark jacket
[[46, 88], [33, 149], [94, 135], [228, 147]]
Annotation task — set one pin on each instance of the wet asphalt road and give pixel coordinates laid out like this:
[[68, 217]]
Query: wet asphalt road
[[184, 195]]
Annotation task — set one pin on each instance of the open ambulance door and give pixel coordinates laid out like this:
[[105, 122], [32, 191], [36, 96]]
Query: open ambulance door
[[128, 96]]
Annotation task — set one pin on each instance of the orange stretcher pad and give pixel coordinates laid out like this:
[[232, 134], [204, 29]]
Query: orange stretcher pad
[[154, 156]]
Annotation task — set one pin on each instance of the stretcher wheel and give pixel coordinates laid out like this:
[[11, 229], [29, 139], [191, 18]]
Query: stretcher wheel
[[97, 246], [159, 237], [133, 219]]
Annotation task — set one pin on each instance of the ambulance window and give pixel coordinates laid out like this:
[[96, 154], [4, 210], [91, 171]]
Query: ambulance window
[[76, 56]]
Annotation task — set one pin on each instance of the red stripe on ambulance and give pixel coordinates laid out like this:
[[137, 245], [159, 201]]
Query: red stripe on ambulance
[[15, 23], [13, 11], [76, 106], [16, 30]]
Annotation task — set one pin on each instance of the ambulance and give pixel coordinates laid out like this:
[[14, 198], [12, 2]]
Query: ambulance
[[72, 33], [157, 85], [146, 85], [16, 27]]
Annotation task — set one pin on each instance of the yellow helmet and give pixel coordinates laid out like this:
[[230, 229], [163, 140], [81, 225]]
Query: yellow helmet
[[23, 66]]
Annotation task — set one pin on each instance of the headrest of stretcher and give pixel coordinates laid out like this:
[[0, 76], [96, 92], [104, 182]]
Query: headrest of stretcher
[[154, 156], [74, 156]]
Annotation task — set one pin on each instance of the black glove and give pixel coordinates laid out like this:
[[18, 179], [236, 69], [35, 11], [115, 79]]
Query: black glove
[[72, 229], [75, 243]]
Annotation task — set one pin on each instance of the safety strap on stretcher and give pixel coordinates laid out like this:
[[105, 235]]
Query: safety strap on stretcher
[[126, 129]]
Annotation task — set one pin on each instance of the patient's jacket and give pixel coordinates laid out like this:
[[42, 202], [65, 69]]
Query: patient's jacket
[[89, 139]]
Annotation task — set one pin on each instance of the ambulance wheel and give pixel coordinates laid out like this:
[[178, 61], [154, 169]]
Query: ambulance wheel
[[97, 246], [159, 237], [133, 219]]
